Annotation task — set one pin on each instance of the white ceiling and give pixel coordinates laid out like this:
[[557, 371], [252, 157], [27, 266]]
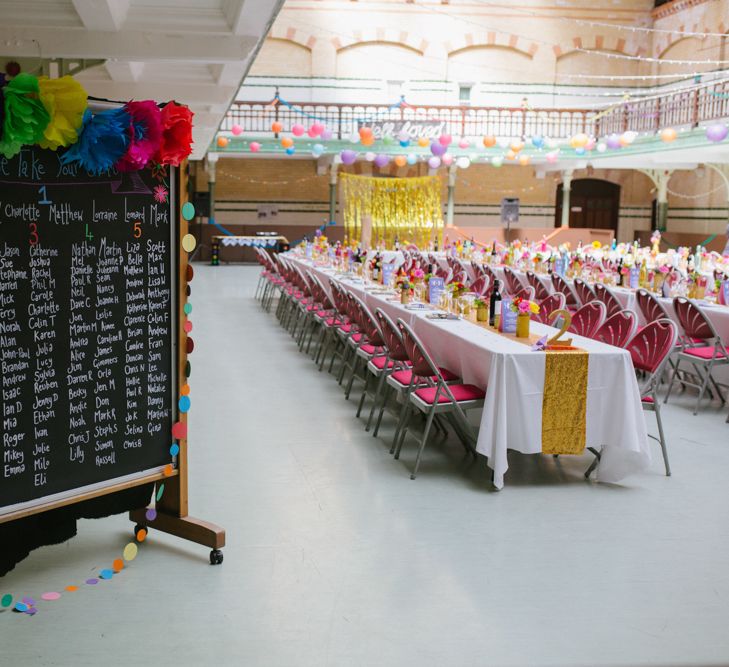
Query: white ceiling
[[196, 52]]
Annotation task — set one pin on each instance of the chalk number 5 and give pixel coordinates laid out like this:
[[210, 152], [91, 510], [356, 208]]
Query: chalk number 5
[[137, 230]]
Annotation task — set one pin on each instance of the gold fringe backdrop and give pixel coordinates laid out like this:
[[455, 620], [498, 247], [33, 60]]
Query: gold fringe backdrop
[[409, 208]]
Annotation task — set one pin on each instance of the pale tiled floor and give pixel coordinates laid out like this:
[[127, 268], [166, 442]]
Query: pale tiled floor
[[335, 557]]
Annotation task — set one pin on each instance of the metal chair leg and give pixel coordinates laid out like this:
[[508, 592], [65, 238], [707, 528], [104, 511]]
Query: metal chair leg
[[401, 426], [383, 405], [376, 399], [662, 441], [428, 424]]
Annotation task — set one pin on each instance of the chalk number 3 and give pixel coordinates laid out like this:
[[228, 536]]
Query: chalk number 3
[[33, 240]]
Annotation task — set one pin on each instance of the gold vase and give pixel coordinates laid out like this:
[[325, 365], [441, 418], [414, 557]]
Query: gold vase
[[404, 297], [522, 326], [482, 314]]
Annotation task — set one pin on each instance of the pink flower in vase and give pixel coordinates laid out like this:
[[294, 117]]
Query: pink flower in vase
[[523, 307], [663, 269]]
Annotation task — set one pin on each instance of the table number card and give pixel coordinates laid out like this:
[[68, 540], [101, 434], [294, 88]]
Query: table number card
[[724, 292], [436, 286], [634, 277], [387, 271], [559, 266], [508, 317]]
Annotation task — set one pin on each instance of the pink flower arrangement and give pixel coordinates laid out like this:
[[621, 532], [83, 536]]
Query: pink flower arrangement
[[524, 306], [418, 274]]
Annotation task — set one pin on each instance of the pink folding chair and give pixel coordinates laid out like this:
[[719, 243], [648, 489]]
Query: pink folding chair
[[560, 285], [588, 319], [707, 353], [436, 398], [650, 349], [584, 293], [367, 345], [540, 291], [480, 286], [651, 307], [547, 306], [525, 293], [611, 302], [513, 284], [618, 329]]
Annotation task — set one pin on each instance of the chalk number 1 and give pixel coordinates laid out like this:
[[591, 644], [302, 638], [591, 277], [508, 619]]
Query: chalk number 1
[[44, 196]]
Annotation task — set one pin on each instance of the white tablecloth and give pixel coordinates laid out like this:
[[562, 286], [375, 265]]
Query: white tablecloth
[[513, 377]]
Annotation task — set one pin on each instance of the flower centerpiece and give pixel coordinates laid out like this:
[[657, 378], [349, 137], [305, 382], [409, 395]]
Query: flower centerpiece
[[456, 289], [402, 282], [524, 309], [482, 310]]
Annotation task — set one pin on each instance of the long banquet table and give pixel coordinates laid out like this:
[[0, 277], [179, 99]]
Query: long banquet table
[[513, 376]]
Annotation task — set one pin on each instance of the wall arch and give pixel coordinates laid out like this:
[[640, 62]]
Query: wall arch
[[381, 60], [489, 64], [277, 55]]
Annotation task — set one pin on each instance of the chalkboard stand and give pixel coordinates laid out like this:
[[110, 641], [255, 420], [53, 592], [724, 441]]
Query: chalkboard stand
[[171, 509]]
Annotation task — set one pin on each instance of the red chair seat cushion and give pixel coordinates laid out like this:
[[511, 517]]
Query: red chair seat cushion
[[461, 392], [369, 349], [403, 377], [703, 352], [379, 362], [647, 399]]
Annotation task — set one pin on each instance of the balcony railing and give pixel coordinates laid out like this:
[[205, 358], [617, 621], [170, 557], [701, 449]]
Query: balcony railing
[[680, 108]]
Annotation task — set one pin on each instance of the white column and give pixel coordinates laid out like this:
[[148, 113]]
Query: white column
[[566, 189], [450, 205]]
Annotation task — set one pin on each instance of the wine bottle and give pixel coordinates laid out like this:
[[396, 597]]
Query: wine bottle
[[494, 303]]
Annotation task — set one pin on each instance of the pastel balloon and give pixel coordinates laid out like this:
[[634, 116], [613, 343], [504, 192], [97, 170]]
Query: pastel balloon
[[316, 129], [317, 148], [276, 127], [348, 156], [236, 130], [298, 130], [523, 160], [601, 147], [447, 160], [551, 143], [287, 142], [405, 143], [370, 156], [489, 140], [613, 141], [627, 138], [516, 146], [717, 133], [367, 141], [510, 155], [400, 160], [445, 139], [381, 160], [552, 157], [403, 136], [354, 138], [365, 132], [423, 142], [222, 142], [434, 162], [326, 134], [668, 135], [579, 140], [412, 159], [437, 149], [254, 147], [497, 161], [290, 150], [580, 150], [537, 141], [463, 144], [463, 162], [590, 145]]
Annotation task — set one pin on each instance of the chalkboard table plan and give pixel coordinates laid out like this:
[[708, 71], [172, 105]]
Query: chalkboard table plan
[[91, 293]]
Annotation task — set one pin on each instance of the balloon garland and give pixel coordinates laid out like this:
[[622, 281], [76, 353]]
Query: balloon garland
[[54, 113]]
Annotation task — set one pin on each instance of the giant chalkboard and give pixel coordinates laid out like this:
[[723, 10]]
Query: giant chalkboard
[[87, 327]]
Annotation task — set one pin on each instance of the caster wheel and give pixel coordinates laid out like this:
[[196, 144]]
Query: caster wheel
[[216, 557], [139, 527]]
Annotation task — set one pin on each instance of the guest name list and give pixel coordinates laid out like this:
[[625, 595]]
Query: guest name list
[[86, 329]]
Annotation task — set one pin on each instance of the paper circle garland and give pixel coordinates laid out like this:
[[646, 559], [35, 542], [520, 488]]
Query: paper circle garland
[[184, 403], [179, 430], [254, 147], [188, 242], [130, 552], [222, 142], [717, 133], [188, 210], [187, 308]]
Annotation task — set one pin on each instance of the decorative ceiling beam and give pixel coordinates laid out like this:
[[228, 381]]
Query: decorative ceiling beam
[[105, 15]]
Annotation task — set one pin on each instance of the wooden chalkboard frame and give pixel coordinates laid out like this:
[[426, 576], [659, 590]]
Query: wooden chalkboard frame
[[172, 509]]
